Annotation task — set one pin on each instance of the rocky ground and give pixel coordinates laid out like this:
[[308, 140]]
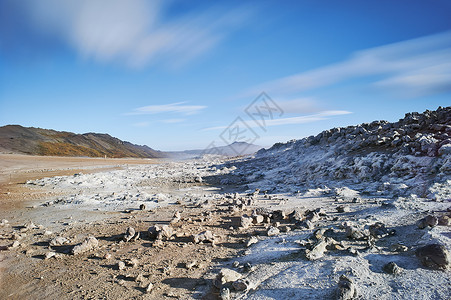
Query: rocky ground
[[266, 227]]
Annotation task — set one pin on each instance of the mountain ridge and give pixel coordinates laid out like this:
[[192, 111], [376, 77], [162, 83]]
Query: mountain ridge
[[49, 142], [234, 149]]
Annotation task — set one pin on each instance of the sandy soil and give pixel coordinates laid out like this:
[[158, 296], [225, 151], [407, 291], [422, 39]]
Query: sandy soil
[[25, 274], [16, 169]]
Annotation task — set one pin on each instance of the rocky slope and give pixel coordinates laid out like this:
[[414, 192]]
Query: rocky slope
[[411, 156], [37, 141]]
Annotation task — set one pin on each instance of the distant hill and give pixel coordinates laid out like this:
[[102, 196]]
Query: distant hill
[[234, 149], [38, 141]]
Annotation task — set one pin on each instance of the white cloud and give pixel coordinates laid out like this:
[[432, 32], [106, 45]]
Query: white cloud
[[133, 32], [171, 121], [324, 115], [305, 119], [141, 124], [421, 82], [422, 64], [299, 106], [177, 107]]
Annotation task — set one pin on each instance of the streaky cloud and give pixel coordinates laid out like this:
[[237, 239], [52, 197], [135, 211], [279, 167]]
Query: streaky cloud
[[421, 64], [134, 33], [323, 115], [178, 107], [172, 121]]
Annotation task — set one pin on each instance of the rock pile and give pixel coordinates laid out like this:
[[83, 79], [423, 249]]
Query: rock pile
[[379, 157]]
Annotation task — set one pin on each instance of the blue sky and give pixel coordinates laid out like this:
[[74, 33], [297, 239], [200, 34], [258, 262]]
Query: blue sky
[[175, 75]]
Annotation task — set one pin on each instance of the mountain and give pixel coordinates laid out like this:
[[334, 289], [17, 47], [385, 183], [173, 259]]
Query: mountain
[[38, 141], [411, 156], [234, 149]]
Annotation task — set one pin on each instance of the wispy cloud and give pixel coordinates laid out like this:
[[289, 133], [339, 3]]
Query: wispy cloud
[[422, 64], [172, 121], [131, 32], [299, 106], [178, 107], [141, 124], [324, 115]]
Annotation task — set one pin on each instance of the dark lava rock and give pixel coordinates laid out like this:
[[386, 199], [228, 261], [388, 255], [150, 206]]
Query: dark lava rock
[[434, 256]]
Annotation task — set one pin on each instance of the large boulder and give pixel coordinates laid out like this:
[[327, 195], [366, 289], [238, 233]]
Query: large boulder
[[434, 256]]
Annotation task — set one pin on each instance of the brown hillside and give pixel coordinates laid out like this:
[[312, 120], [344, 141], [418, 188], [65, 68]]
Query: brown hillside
[[38, 141]]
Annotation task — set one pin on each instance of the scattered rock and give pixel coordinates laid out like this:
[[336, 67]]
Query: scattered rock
[[353, 251], [378, 230], [176, 218], [15, 244], [278, 215], [206, 236], [318, 234], [129, 234], [245, 221], [240, 285], [346, 289], [225, 276], [163, 232], [224, 294], [285, 228], [296, 215], [306, 224], [121, 265], [257, 219], [354, 233], [139, 278], [142, 206], [398, 248], [334, 245], [272, 231], [190, 265], [312, 216], [429, 220], [58, 241], [343, 209], [248, 267], [50, 254], [28, 226], [136, 237], [133, 262], [391, 268], [434, 256], [149, 287], [88, 244], [317, 251], [122, 282], [251, 241], [158, 244], [444, 221]]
